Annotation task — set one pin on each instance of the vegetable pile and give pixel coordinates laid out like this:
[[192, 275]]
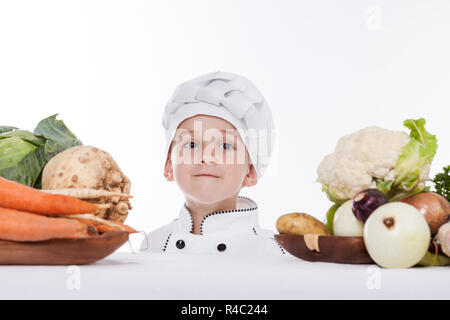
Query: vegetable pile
[[54, 160], [392, 162], [377, 181], [51, 187]]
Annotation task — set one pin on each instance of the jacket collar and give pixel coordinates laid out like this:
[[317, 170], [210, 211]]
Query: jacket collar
[[244, 217]]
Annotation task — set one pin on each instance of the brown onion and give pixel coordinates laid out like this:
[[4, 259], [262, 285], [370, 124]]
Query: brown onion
[[434, 207]]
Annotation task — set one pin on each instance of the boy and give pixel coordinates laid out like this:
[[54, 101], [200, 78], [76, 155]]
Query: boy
[[220, 136]]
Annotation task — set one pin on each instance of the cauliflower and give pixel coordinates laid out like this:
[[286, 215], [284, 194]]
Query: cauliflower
[[394, 162]]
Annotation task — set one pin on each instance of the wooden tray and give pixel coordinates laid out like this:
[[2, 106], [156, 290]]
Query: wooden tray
[[61, 251], [335, 249]]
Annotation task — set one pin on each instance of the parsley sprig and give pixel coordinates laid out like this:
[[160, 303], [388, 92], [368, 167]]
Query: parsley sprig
[[442, 183]]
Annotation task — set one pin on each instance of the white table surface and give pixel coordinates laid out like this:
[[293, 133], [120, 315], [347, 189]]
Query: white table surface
[[126, 275]]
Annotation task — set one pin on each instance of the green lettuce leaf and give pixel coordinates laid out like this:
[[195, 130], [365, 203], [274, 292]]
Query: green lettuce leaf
[[419, 152]]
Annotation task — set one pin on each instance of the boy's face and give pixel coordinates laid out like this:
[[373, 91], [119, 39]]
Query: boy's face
[[208, 160]]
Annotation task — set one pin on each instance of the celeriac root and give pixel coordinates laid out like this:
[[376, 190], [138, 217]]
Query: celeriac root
[[89, 173], [86, 193]]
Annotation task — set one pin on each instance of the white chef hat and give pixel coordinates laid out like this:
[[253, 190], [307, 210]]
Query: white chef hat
[[232, 98]]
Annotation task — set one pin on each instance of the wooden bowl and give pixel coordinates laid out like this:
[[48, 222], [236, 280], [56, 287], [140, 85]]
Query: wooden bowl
[[335, 249], [61, 251]]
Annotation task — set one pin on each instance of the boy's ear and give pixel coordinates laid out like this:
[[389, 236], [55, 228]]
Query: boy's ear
[[251, 178], [168, 169]]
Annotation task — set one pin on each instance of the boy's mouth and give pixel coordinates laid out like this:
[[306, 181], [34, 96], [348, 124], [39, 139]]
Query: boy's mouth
[[206, 175]]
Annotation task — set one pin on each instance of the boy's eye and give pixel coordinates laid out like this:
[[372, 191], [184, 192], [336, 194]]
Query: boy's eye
[[191, 144], [227, 146]]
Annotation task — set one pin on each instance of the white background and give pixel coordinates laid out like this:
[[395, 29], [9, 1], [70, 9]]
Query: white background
[[326, 68]]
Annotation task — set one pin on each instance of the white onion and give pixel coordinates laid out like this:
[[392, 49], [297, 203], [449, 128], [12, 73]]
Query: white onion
[[396, 235], [345, 222]]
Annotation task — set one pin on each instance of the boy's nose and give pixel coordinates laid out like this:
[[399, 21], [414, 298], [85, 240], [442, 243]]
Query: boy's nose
[[209, 156], [209, 159]]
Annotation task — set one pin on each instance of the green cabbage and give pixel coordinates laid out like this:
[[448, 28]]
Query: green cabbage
[[23, 154]]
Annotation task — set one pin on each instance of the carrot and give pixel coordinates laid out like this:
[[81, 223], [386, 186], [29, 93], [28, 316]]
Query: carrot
[[17, 196], [102, 225], [25, 226]]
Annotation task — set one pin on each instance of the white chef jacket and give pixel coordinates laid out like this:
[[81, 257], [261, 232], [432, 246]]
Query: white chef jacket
[[230, 232]]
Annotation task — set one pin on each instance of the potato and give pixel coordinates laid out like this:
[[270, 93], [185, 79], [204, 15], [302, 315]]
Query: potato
[[300, 223]]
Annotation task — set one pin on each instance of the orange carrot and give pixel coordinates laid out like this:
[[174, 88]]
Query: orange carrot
[[17, 196], [102, 225], [25, 226]]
